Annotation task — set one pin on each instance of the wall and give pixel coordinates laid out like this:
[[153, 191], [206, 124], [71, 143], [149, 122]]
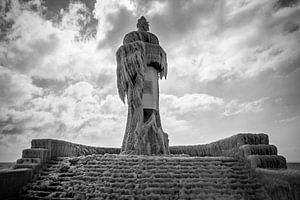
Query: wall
[[60, 148], [280, 184], [225, 147], [11, 181]]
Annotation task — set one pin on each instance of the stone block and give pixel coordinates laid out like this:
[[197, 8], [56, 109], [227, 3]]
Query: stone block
[[29, 161], [280, 184], [11, 182], [249, 138], [42, 143], [43, 154], [60, 148], [260, 149], [35, 167], [266, 161], [225, 147]]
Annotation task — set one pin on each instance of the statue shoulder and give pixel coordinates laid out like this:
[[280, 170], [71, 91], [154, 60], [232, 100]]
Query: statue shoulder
[[143, 36]]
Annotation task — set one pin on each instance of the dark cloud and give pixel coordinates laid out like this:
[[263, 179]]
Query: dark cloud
[[122, 21], [291, 27], [87, 22], [7, 127], [175, 22], [51, 85], [181, 18], [285, 3], [290, 66], [5, 24], [88, 29], [15, 89], [14, 123], [11, 130], [54, 11], [8, 12], [57, 127], [26, 57], [56, 5]]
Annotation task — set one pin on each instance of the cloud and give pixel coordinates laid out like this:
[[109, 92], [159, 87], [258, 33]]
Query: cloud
[[79, 18], [182, 116], [78, 114], [219, 50], [22, 122], [108, 13], [288, 120], [46, 49], [79, 90], [236, 108], [265, 44], [189, 102], [15, 88]]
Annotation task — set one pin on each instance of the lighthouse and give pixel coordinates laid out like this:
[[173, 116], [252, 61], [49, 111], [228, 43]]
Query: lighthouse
[[141, 62]]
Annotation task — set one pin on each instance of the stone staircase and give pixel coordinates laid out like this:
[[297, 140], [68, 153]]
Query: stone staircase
[[243, 166], [113, 176]]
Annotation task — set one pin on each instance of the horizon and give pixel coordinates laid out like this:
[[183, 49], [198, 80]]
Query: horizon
[[233, 67]]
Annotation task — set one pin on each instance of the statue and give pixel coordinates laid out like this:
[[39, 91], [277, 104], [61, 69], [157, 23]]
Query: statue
[[140, 62]]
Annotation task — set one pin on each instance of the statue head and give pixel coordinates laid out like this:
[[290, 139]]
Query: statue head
[[142, 24]]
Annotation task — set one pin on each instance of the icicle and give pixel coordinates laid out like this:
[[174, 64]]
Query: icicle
[[131, 60]]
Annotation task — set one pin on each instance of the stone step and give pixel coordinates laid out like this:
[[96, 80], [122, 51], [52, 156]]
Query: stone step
[[267, 161], [165, 170], [147, 195], [261, 149], [252, 139], [162, 167], [29, 160], [34, 166], [41, 153], [30, 163], [138, 177]]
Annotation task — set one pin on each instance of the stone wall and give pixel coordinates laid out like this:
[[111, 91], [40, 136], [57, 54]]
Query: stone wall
[[225, 147], [280, 184], [253, 148], [36, 158], [60, 148], [12, 180]]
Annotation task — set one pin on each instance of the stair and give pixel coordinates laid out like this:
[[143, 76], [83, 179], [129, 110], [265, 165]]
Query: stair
[[31, 163], [41, 153], [113, 176], [262, 156]]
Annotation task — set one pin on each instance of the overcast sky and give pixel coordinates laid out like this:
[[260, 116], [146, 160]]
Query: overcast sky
[[233, 67]]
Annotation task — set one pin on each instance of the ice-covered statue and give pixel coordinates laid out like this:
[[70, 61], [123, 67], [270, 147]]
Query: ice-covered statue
[[140, 63]]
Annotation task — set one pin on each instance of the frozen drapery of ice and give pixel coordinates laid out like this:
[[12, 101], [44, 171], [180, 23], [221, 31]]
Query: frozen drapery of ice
[[132, 60], [140, 61]]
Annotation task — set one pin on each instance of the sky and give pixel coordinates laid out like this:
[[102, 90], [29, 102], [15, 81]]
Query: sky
[[233, 67]]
